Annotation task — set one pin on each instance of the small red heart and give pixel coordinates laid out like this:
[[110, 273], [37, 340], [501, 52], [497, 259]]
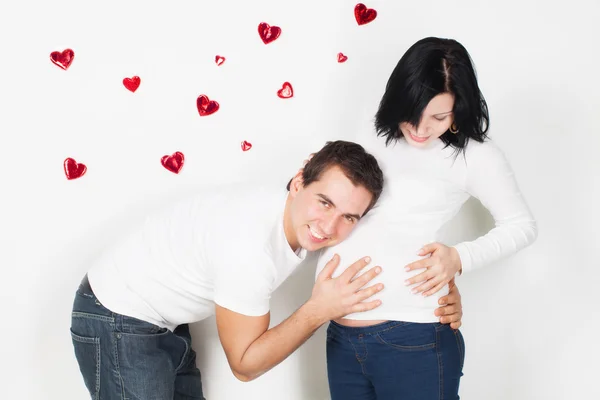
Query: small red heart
[[73, 170], [363, 14], [174, 162], [246, 146], [219, 60], [268, 33], [286, 91], [342, 58], [206, 106], [132, 83], [64, 59]]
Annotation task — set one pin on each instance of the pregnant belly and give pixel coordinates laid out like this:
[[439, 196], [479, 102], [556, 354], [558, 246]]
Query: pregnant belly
[[392, 251]]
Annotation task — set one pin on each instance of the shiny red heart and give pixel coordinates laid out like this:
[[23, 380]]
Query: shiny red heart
[[219, 60], [174, 162], [286, 91], [246, 146], [206, 106], [64, 59], [363, 14], [132, 83], [73, 170], [342, 58], [268, 33]]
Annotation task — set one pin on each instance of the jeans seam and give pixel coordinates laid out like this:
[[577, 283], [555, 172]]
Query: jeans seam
[[185, 354], [358, 359], [98, 369], [103, 318], [458, 345], [116, 337], [440, 364]]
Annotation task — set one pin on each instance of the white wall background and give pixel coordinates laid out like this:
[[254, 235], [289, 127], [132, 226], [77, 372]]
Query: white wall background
[[531, 322]]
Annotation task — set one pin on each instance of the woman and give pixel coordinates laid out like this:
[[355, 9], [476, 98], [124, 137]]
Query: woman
[[432, 145]]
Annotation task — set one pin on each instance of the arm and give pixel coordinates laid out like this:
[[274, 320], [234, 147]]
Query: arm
[[491, 179], [252, 349]]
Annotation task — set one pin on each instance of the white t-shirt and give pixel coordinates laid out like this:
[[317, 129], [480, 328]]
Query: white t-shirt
[[425, 188], [226, 246]]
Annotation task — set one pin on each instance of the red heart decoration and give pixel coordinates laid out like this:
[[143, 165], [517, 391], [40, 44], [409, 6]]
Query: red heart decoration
[[132, 83], [219, 60], [206, 106], [342, 58], [174, 162], [286, 91], [246, 146], [268, 33], [64, 59], [73, 170], [363, 14]]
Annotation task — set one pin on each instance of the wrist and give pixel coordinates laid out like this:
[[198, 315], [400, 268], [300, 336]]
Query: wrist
[[457, 260], [314, 314]]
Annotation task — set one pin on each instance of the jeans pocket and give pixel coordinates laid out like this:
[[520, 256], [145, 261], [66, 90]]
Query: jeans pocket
[[87, 353], [409, 337], [134, 326]]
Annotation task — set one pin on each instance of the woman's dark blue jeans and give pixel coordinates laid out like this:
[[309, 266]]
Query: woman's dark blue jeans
[[394, 360]]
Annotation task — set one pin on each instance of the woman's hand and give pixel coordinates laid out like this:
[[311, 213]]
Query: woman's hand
[[442, 265]]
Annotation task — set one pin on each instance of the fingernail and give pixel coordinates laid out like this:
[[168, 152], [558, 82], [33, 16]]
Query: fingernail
[[406, 269], [367, 259], [380, 287], [377, 270], [406, 283], [420, 251], [414, 290]]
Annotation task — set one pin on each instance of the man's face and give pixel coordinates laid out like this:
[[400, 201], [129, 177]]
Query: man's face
[[325, 212]]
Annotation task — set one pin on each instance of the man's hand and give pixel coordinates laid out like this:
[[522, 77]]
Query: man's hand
[[334, 298], [252, 348], [450, 311]]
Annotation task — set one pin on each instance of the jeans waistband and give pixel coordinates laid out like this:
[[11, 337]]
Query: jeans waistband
[[374, 329]]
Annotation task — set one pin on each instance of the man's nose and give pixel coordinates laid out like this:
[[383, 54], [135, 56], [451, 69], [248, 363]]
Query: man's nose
[[328, 225]]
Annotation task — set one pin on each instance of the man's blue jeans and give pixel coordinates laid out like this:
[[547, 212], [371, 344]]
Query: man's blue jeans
[[124, 358], [394, 360]]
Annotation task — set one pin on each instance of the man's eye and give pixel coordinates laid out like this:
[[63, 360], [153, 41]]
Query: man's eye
[[351, 219]]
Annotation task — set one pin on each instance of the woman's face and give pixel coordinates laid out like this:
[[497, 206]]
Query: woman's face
[[435, 121]]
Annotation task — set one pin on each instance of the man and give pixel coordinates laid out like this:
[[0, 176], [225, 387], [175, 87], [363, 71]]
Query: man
[[224, 252]]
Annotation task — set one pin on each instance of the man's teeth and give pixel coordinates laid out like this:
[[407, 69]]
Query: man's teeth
[[315, 234]]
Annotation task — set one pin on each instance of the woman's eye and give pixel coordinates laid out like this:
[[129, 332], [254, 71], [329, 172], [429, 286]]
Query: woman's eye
[[324, 203], [440, 118]]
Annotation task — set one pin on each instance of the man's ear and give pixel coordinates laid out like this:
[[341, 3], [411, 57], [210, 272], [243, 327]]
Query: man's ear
[[296, 184]]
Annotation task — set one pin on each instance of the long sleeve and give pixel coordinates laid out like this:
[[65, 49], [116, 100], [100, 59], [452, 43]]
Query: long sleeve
[[491, 180]]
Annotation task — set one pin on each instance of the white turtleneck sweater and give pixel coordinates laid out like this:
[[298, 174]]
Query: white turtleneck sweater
[[425, 188]]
